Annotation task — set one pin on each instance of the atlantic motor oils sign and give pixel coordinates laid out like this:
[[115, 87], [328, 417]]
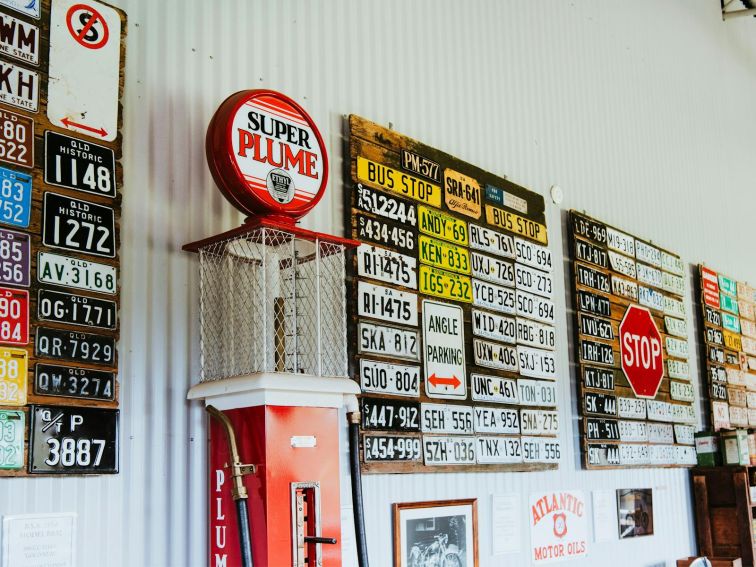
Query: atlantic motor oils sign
[[558, 526], [266, 155]]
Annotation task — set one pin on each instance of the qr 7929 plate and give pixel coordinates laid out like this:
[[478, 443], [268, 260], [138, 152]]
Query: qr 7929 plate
[[74, 346]]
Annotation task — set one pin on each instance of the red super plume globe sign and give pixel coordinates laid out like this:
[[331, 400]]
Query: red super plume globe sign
[[266, 155], [641, 351]]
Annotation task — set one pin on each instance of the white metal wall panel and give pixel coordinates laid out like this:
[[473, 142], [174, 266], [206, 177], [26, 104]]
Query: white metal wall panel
[[636, 109]]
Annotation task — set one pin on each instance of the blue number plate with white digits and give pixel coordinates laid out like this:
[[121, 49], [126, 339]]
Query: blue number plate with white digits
[[15, 197]]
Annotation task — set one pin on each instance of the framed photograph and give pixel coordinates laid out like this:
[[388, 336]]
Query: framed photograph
[[436, 534], [635, 512]]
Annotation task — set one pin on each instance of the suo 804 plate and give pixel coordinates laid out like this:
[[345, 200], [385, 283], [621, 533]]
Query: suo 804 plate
[[396, 448], [446, 227], [74, 346], [73, 272], [494, 326], [13, 378], [387, 304], [12, 428], [80, 165], [494, 297], [495, 389], [493, 270], [386, 378], [386, 206], [72, 382], [388, 341], [78, 226], [15, 197], [73, 309], [447, 285], [395, 415], [486, 240], [533, 255], [16, 139], [386, 233]]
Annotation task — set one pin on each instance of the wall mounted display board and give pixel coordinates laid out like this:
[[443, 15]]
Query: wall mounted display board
[[451, 321], [728, 323], [61, 78], [635, 395]]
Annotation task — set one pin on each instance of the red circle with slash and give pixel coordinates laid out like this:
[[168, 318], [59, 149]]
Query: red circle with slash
[[81, 35]]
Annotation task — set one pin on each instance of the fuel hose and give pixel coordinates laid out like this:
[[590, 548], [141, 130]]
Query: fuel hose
[[357, 504]]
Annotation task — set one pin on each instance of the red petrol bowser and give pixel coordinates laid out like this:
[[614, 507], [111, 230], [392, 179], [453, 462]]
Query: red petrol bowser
[[273, 345]]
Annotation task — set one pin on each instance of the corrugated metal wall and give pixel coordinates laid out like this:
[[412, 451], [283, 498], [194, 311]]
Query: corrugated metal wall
[[636, 109]]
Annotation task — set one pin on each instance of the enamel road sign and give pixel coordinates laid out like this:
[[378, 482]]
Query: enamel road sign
[[641, 351], [444, 344]]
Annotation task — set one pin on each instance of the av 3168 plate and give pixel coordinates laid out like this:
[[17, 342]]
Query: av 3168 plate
[[76, 273]]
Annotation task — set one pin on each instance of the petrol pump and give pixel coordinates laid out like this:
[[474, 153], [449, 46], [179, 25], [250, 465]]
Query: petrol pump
[[273, 345]]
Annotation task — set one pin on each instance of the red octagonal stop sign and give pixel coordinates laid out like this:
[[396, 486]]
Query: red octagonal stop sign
[[641, 351]]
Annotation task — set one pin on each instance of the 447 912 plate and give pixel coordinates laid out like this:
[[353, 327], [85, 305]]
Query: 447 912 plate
[[74, 346], [73, 309], [73, 272], [71, 382], [78, 226]]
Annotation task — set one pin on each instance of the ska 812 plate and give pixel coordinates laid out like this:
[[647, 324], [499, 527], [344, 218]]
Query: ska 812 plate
[[76, 309], [71, 382], [79, 165], [74, 346], [78, 226]]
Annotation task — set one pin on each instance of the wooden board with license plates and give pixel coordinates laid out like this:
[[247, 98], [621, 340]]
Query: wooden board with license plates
[[613, 270], [451, 332], [60, 209], [729, 348]]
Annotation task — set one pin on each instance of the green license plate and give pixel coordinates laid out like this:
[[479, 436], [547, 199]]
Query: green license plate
[[11, 439]]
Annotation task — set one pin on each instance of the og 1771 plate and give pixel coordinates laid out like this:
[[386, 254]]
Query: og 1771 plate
[[76, 309], [72, 272]]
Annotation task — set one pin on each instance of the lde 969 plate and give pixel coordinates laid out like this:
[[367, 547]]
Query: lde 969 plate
[[73, 346], [76, 309]]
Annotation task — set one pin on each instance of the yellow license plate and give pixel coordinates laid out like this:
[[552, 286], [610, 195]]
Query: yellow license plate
[[13, 377], [517, 224], [732, 341], [447, 285], [441, 254], [443, 226], [461, 193], [396, 181]]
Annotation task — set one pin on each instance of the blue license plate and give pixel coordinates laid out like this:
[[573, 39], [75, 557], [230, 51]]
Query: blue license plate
[[15, 197]]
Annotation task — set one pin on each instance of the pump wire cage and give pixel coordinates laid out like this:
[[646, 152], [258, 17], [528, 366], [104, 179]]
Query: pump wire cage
[[272, 299]]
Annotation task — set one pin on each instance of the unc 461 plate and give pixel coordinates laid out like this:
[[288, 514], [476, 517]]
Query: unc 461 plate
[[487, 388]]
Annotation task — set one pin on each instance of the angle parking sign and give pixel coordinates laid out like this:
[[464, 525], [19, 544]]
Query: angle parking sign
[[444, 344]]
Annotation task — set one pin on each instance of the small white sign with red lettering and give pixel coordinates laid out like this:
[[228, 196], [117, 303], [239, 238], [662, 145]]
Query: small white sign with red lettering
[[558, 526]]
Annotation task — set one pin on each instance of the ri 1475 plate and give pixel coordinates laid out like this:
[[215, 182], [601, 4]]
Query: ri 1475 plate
[[387, 304], [71, 382], [74, 346], [76, 309], [78, 226]]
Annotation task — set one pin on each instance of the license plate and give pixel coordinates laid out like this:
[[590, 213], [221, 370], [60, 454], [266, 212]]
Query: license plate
[[594, 303], [537, 363], [650, 276], [729, 303], [421, 165], [493, 326], [449, 450], [681, 391], [625, 288], [78, 226], [712, 316], [633, 431], [620, 242], [591, 253], [685, 456], [396, 448], [677, 327], [676, 347], [492, 269], [73, 272], [397, 415], [745, 291], [538, 308], [494, 389], [387, 378], [13, 378], [386, 304], [539, 422], [540, 450], [533, 281], [19, 87], [12, 428], [600, 404], [683, 413], [746, 309], [73, 440], [650, 298], [76, 309], [735, 377], [597, 353], [70, 382], [496, 420], [648, 254], [748, 328], [588, 228], [594, 279], [718, 392], [386, 233], [732, 341], [601, 429], [440, 283], [672, 264], [533, 255], [748, 345], [386, 206], [530, 333], [716, 354], [537, 393], [461, 193], [16, 139], [499, 450], [494, 355], [494, 297], [598, 378], [440, 254], [673, 284], [678, 369], [674, 307], [516, 224], [622, 264], [14, 316], [738, 417], [730, 322], [720, 415], [737, 397], [661, 454], [602, 455], [634, 455], [446, 418], [75, 346], [595, 327], [728, 285], [685, 434], [660, 433], [15, 197], [631, 408], [659, 411], [486, 240], [19, 40], [388, 341], [395, 181]]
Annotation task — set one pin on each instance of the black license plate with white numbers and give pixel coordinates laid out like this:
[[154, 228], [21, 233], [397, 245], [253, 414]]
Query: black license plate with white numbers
[[594, 279], [379, 448], [602, 429], [79, 165], [595, 255], [598, 378], [595, 327], [594, 303], [73, 440], [719, 392], [600, 404], [597, 353], [588, 228], [386, 233], [70, 382], [395, 415], [714, 336], [386, 206], [76, 309], [712, 316], [74, 346], [78, 226]]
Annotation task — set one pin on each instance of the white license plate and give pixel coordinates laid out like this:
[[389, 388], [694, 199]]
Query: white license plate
[[493, 326], [631, 408], [19, 87], [685, 434], [749, 345], [620, 242], [685, 456], [494, 297], [751, 399], [386, 304], [676, 347], [388, 341], [487, 240], [651, 298], [495, 420], [391, 448], [735, 377], [681, 391], [492, 269], [674, 307], [673, 284], [499, 450], [72, 272], [738, 417], [649, 275], [661, 454], [748, 328], [534, 334], [449, 450], [625, 288], [634, 455], [540, 450], [494, 355], [386, 266], [677, 327], [446, 418], [721, 415], [494, 389], [672, 264], [534, 281], [751, 417], [683, 413], [633, 431], [533, 255], [534, 307], [647, 253], [386, 378], [660, 433], [659, 411], [539, 422], [737, 397], [19, 40], [537, 393], [536, 363], [622, 264]]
